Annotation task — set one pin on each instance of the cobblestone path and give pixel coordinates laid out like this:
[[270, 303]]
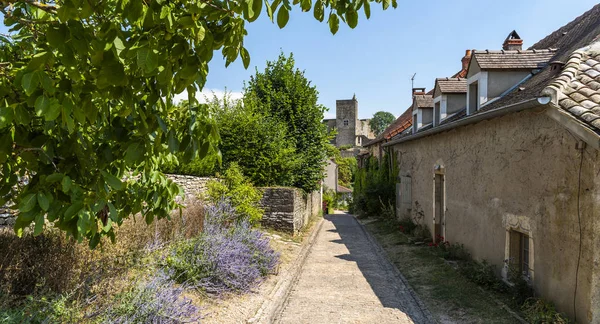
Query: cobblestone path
[[346, 279]]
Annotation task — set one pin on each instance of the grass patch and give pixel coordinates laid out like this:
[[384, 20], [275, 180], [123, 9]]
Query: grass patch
[[450, 296]]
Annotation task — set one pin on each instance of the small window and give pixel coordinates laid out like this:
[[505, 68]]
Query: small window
[[346, 122], [519, 252]]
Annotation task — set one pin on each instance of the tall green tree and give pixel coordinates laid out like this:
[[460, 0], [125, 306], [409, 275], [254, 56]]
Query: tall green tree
[[86, 91], [283, 93], [380, 121], [256, 142]]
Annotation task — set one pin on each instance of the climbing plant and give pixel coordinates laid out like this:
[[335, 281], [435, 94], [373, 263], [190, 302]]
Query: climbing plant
[[86, 91]]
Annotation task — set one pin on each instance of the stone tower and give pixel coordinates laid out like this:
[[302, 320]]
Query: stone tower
[[346, 122]]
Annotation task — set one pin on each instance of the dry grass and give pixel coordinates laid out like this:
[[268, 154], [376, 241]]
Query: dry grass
[[53, 264]]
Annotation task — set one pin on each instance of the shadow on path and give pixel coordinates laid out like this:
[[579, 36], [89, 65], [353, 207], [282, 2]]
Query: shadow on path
[[390, 290]]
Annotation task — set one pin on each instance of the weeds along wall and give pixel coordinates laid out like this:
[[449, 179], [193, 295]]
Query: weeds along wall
[[375, 187]]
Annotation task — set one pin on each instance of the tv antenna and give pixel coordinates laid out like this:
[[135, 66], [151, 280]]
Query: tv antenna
[[412, 81]]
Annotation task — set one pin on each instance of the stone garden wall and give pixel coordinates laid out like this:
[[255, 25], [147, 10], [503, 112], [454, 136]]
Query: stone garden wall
[[289, 209], [286, 209]]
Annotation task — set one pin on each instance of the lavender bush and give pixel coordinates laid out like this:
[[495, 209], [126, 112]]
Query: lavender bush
[[230, 256], [156, 300]]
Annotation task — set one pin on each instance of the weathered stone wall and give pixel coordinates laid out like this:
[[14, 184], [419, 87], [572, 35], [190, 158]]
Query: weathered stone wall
[[346, 110], [288, 209], [192, 186], [520, 171]]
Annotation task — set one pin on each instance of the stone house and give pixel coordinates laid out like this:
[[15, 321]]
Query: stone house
[[506, 161]]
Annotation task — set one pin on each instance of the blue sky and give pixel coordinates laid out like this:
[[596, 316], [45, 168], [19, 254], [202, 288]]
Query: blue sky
[[377, 59]]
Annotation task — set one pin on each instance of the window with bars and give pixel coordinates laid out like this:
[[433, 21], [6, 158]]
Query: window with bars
[[519, 252], [345, 122]]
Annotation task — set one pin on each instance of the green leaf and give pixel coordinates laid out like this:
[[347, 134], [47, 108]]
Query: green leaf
[[334, 23], [66, 184], [55, 177], [204, 149], [112, 181], [269, 10], [255, 10], [41, 105], [30, 82], [53, 110], [367, 8], [305, 5], [57, 36], [282, 17], [147, 59], [39, 225], [114, 215], [43, 201], [134, 153], [7, 115], [245, 57], [27, 203], [73, 210], [385, 4], [352, 18], [319, 10]]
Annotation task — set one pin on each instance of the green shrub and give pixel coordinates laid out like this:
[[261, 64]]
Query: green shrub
[[330, 200], [237, 189], [482, 273], [456, 252], [375, 186], [539, 311], [407, 226]]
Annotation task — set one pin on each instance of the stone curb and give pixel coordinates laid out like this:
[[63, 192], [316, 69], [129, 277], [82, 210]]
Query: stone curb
[[274, 303], [383, 255]]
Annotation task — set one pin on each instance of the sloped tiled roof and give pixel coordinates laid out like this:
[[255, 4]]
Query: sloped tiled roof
[[577, 34], [400, 124], [424, 101], [527, 59], [452, 85], [577, 88]]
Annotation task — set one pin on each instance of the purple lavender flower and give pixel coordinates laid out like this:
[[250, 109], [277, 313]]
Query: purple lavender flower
[[230, 256], [157, 300]]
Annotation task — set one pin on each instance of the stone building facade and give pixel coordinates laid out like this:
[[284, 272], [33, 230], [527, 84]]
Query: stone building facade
[[352, 132], [512, 172]]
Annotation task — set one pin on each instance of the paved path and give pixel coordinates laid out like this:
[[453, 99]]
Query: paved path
[[345, 279]]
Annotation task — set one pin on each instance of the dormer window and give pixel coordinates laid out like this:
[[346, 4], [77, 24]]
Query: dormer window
[[422, 109], [474, 96], [449, 98]]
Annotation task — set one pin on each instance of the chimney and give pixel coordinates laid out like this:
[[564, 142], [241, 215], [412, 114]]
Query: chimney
[[418, 91], [513, 42], [466, 60]]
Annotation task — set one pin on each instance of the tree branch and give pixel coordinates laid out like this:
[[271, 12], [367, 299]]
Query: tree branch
[[46, 7]]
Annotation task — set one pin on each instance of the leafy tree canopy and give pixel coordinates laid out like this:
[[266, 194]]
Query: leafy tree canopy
[[86, 92], [380, 121], [284, 94]]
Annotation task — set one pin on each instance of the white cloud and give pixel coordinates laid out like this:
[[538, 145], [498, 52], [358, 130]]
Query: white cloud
[[207, 94]]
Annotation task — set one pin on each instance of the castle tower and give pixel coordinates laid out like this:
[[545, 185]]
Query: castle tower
[[346, 121]]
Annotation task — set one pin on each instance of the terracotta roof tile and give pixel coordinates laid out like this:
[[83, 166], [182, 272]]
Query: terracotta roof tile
[[526, 59], [579, 94], [401, 123]]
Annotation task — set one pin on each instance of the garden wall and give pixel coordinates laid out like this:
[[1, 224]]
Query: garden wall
[[192, 186], [289, 209]]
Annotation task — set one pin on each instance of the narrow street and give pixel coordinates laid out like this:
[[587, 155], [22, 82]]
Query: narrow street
[[345, 279]]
